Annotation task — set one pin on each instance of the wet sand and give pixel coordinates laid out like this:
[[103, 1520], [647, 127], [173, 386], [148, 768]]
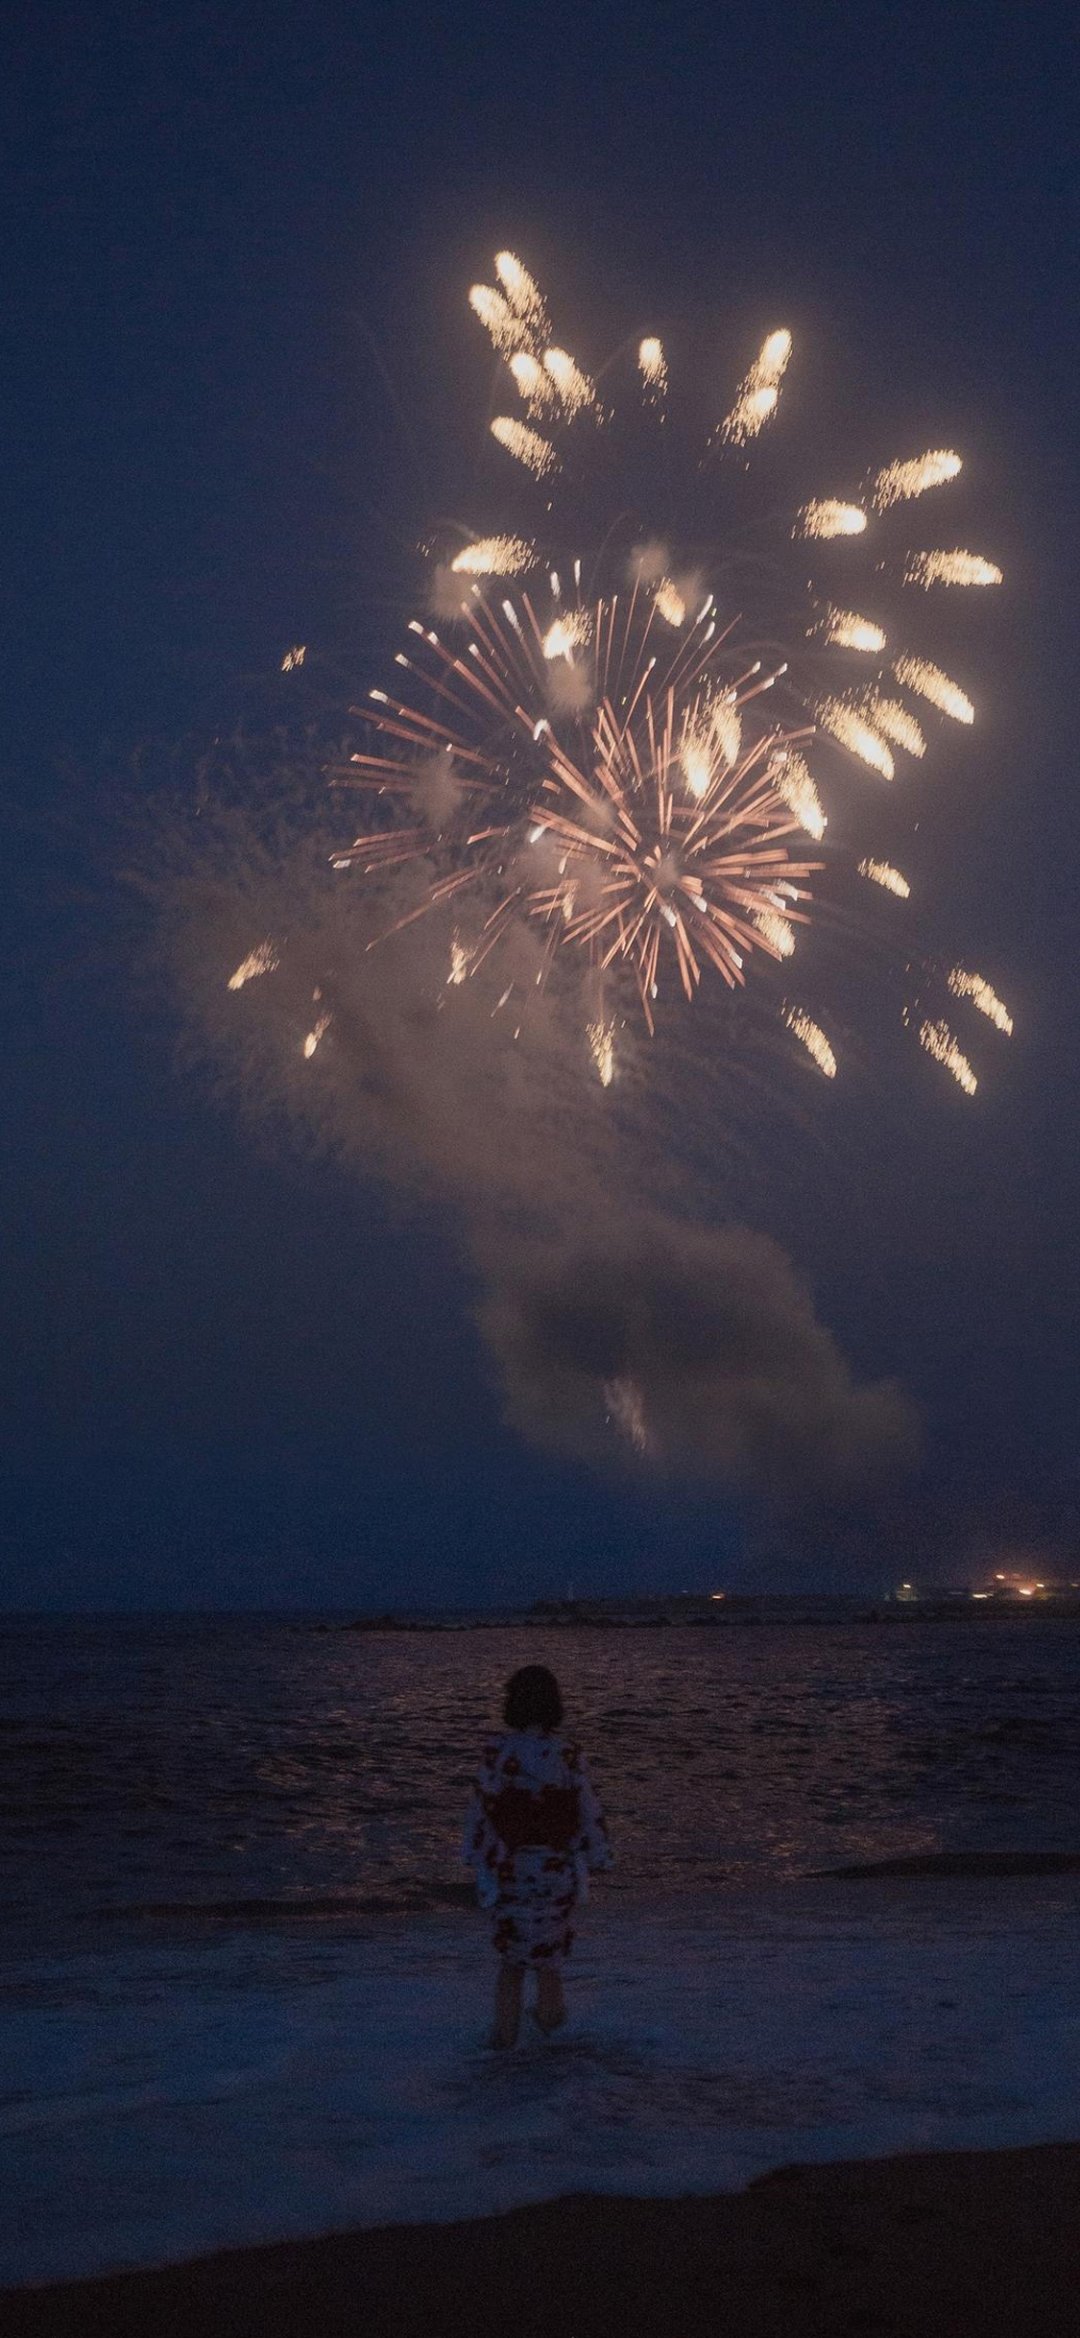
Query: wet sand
[[949, 2245]]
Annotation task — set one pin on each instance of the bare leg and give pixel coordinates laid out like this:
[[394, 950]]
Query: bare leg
[[550, 2002], [508, 1990]]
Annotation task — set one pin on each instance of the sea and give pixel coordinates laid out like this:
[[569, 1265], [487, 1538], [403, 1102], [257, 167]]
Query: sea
[[244, 1988]]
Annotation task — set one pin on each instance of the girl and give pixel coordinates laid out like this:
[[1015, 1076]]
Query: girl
[[534, 1831]]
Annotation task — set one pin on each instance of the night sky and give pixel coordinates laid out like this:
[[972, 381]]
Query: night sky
[[238, 368]]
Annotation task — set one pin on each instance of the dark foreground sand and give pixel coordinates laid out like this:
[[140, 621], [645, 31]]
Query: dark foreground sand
[[955, 2245]]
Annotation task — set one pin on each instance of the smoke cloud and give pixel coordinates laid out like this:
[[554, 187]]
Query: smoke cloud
[[699, 1352], [626, 1330]]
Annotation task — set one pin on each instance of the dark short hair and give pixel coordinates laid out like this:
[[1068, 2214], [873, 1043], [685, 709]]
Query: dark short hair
[[532, 1699]]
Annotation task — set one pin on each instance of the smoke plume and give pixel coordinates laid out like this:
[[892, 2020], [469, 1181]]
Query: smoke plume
[[625, 1328], [698, 1351]]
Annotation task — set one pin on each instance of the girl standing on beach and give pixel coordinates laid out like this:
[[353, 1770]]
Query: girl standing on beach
[[534, 1831]]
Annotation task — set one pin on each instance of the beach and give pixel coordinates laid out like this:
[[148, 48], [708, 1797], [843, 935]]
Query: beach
[[244, 2090], [952, 2245], [244, 1998]]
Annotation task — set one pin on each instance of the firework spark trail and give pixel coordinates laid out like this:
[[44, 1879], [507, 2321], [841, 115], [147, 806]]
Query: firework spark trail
[[889, 716], [856, 734], [669, 602], [497, 318], [900, 482], [263, 959], [318, 1030], [938, 1041], [536, 386], [951, 568], [461, 960], [813, 1039], [919, 675], [495, 556], [794, 781], [696, 758], [759, 392], [527, 446], [523, 294], [882, 873], [974, 987], [626, 1408], [825, 517], [776, 931], [725, 723], [652, 366], [567, 634], [845, 630], [601, 1038], [574, 389]]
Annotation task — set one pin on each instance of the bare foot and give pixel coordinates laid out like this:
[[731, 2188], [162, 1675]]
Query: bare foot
[[550, 2008], [508, 1990]]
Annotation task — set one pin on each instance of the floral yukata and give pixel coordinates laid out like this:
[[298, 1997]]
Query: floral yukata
[[534, 1831]]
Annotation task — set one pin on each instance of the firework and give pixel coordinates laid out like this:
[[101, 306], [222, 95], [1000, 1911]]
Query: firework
[[527, 446], [725, 724], [566, 634], [573, 388], [616, 768], [523, 295], [918, 674], [856, 734], [951, 568], [461, 960], [294, 657], [601, 1038], [626, 1408], [939, 1042], [899, 482], [263, 959], [495, 556], [669, 602], [759, 393], [497, 318], [826, 517], [793, 780], [813, 1039], [846, 631], [536, 386], [696, 758], [652, 365], [978, 990], [591, 825], [318, 1030], [776, 931], [889, 716], [882, 873]]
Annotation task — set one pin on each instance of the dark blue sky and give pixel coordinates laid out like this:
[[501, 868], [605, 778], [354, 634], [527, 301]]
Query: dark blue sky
[[230, 1377]]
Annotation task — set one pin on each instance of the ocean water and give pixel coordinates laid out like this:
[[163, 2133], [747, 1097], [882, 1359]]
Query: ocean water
[[243, 1991]]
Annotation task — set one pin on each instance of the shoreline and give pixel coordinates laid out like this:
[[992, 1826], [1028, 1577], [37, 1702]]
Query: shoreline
[[941, 2245], [733, 1617], [248, 2092]]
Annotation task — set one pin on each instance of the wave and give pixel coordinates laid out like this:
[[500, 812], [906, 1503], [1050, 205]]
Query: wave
[[189, 2096], [292, 1907], [985, 1863]]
